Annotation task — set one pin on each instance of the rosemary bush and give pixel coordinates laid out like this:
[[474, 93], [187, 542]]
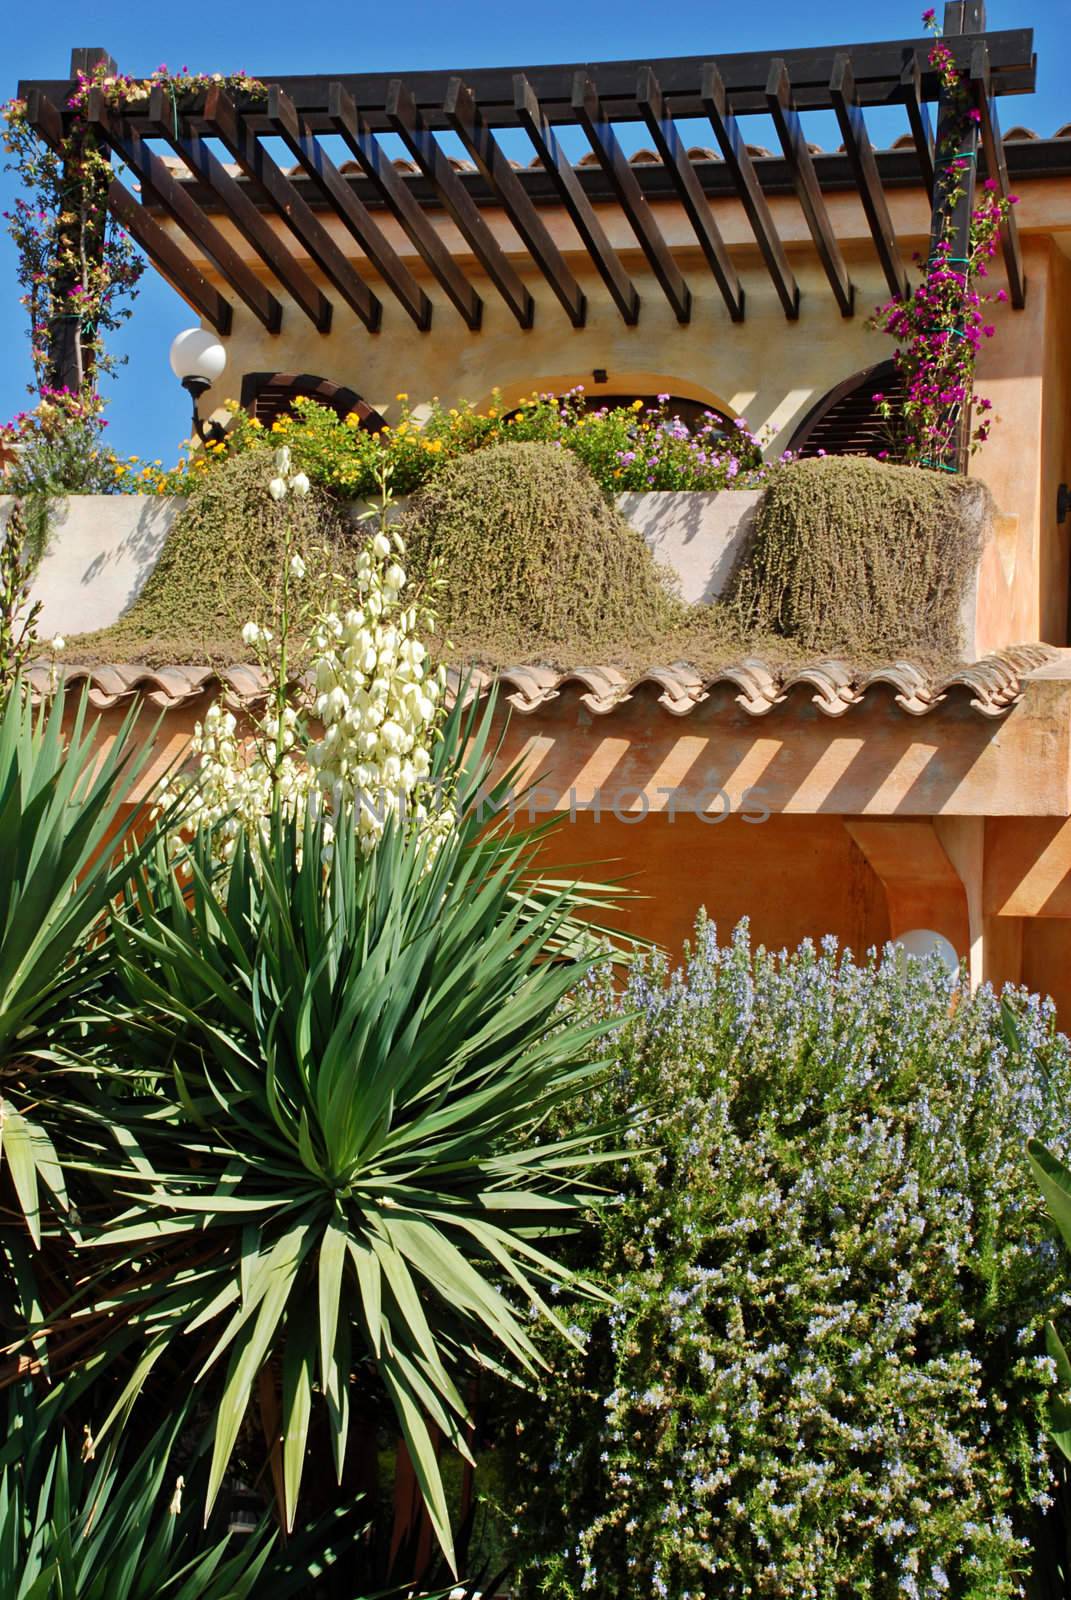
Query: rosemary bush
[[824, 1373]]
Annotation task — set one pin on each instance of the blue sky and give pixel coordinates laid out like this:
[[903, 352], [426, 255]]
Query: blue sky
[[148, 412]]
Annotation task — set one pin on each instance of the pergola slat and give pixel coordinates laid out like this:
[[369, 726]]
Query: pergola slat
[[162, 250], [667, 140], [243, 211], [918, 116], [422, 145], [860, 154], [581, 211], [614, 162], [347, 121], [463, 113], [738, 160], [176, 200], [790, 133], [314, 160], [997, 169], [225, 124]]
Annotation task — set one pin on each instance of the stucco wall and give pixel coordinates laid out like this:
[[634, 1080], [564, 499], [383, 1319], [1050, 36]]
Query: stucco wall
[[765, 368]]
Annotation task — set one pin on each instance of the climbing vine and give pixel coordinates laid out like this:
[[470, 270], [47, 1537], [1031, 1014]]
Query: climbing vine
[[941, 326], [78, 270]]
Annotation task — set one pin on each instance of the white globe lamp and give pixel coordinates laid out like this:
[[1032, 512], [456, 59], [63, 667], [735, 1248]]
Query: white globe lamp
[[923, 942], [197, 359]]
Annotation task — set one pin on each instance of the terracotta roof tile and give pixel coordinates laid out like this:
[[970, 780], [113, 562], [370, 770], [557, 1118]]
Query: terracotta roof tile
[[991, 685]]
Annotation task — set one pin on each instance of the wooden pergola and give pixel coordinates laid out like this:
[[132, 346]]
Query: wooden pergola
[[599, 99]]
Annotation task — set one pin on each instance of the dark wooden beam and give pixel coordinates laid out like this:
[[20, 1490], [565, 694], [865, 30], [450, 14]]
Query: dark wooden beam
[[997, 169], [663, 131], [407, 120], [861, 155], [240, 208], [739, 163], [877, 66], [166, 256], [918, 116], [177, 202], [793, 142], [592, 118], [463, 113], [355, 216], [570, 189], [223, 121], [347, 121]]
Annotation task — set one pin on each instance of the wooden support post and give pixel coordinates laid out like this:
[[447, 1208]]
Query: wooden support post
[[591, 116], [347, 121], [431, 159], [663, 131], [226, 124], [241, 209], [805, 180], [291, 128], [737, 159], [166, 256], [563, 174], [463, 113], [955, 176]]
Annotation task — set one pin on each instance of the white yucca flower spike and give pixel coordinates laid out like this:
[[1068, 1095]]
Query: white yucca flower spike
[[299, 485], [277, 488], [282, 460]]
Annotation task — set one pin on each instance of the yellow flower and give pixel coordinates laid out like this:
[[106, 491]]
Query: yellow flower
[[435, 445], [402, 396], [637, 405], [352, 420]]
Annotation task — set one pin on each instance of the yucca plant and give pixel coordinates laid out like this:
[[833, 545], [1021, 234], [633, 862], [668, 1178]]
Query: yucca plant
[[78, 1523], [346, 1156]]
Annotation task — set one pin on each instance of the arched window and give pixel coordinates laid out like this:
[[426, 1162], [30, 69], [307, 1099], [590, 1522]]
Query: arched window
[[267, 395], [692, 413], [846, 421]]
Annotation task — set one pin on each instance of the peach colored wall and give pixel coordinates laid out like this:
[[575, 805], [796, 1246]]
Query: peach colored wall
[[794, 877]]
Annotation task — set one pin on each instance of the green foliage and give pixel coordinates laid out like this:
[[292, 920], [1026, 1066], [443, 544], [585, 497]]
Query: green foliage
[[59, 804], [223, 555], [624, 447], [823, 1374], [862, 558], [529, 557], [18, 617], [306, 1116], [110, 1529]]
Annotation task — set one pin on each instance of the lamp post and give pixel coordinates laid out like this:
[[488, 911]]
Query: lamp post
[[197, 359]]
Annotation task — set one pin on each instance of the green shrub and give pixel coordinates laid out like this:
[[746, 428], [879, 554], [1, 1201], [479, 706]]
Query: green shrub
[[824, 1373], [530, 557], [862, 558], [221, 557]]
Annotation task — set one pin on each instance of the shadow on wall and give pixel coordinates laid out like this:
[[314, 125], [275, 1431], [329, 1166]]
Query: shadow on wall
[[101, 550]]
